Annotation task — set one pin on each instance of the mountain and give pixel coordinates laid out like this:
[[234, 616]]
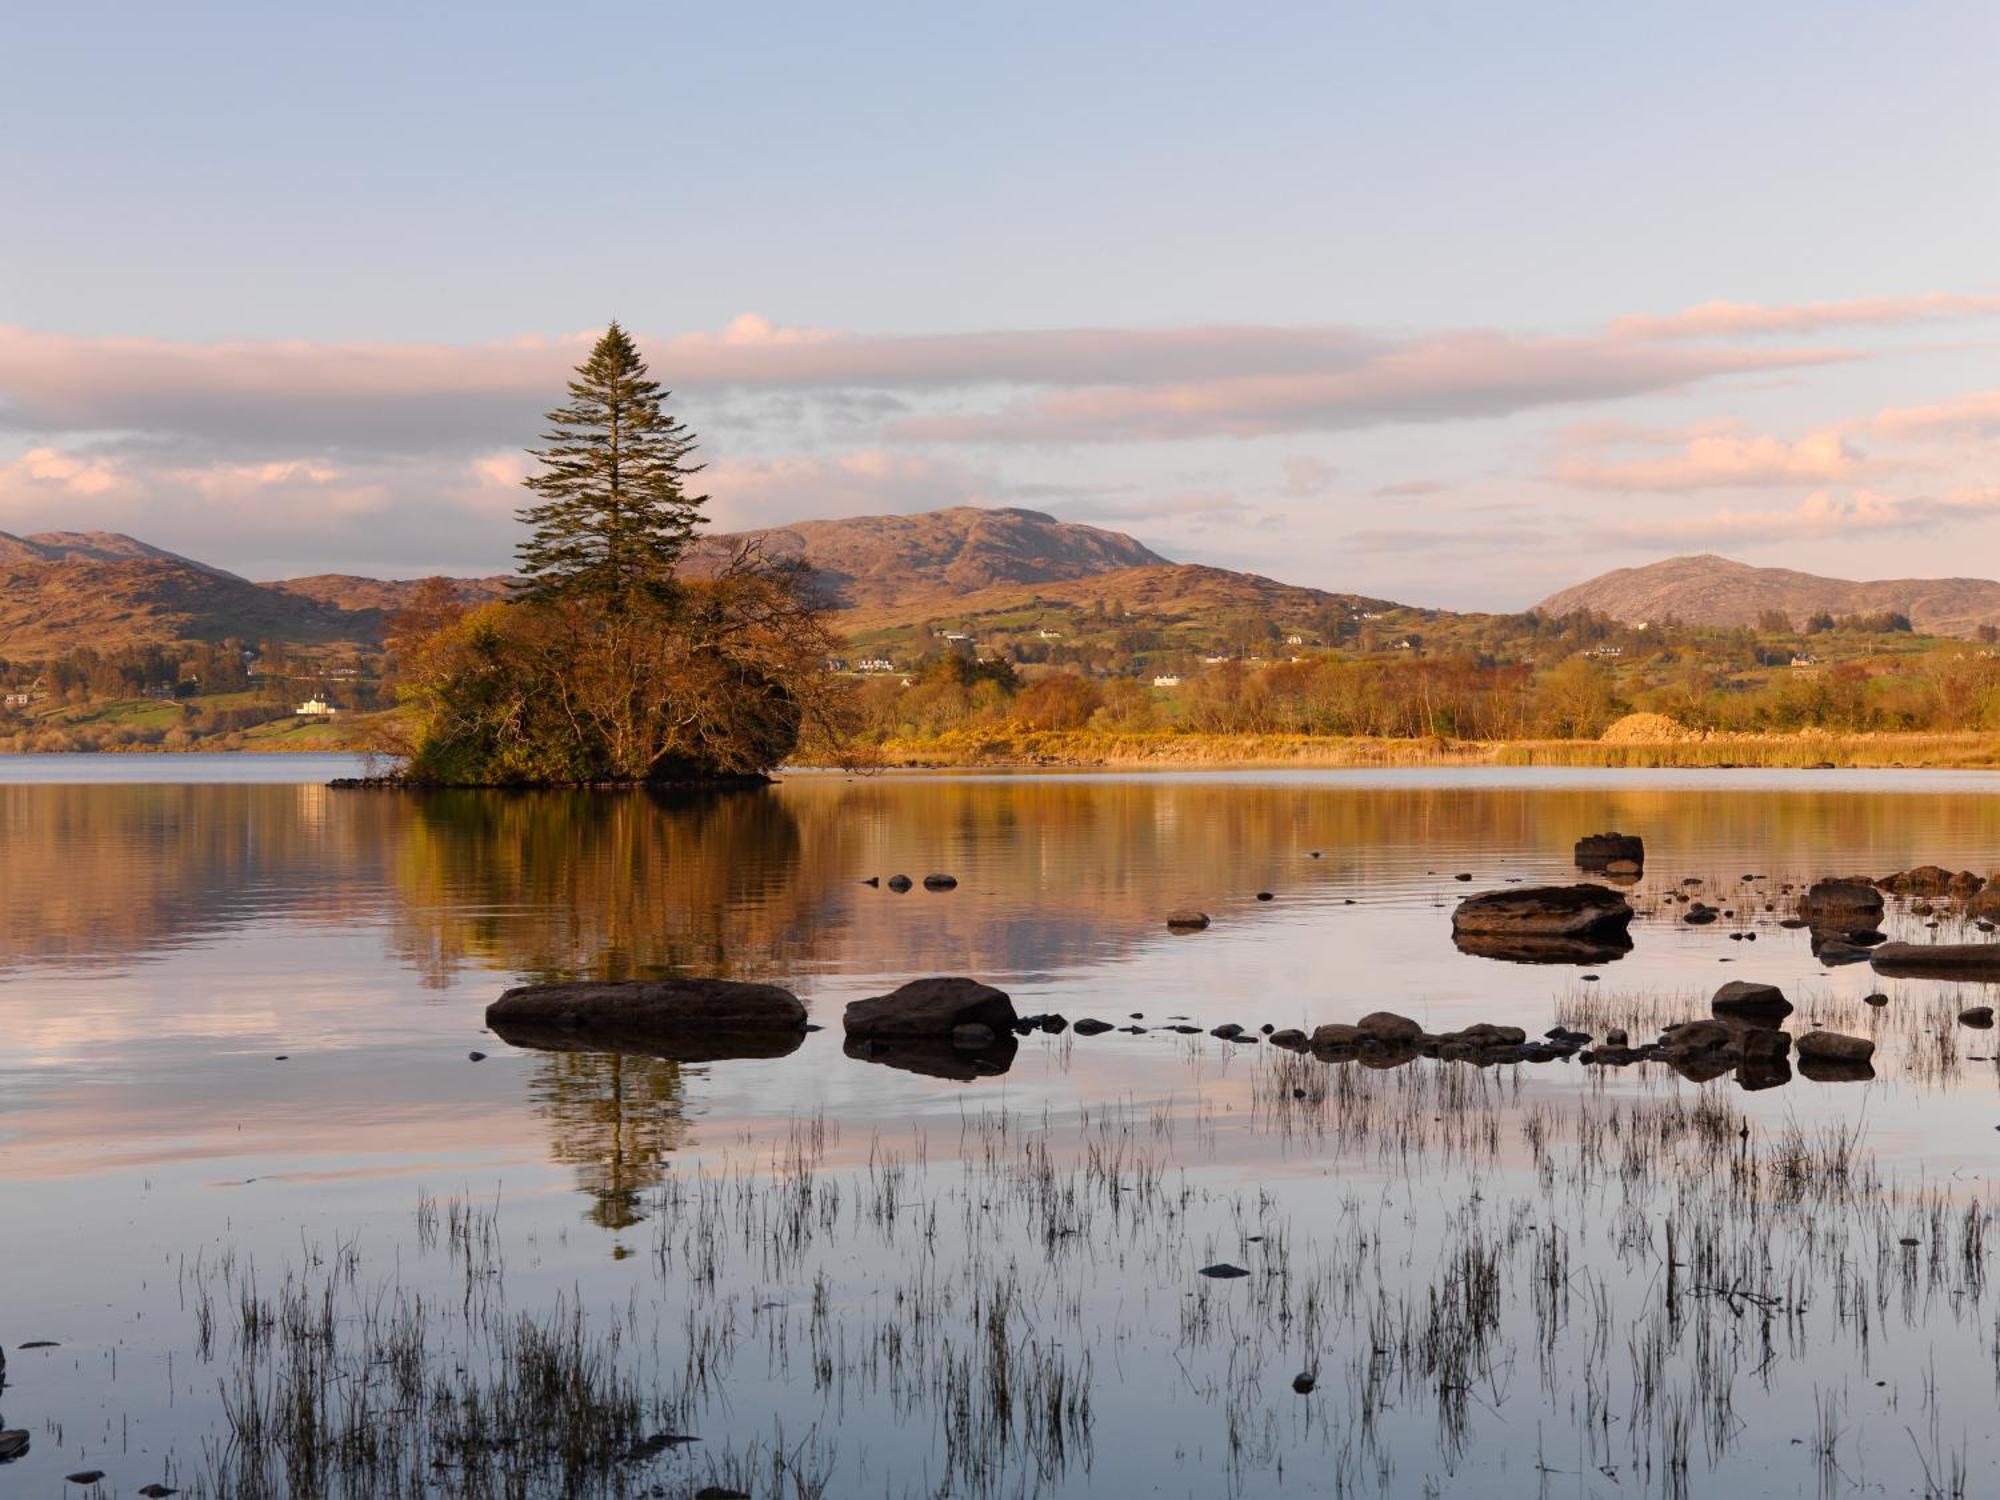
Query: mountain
[[876, 561], [90, 546], [64, 590], [49, 608], [1711, 590], [383, 596]]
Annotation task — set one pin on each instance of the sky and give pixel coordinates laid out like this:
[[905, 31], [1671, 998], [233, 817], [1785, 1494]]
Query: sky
[[1454, 304]]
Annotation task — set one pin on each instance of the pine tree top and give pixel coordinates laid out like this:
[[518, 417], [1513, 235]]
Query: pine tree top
[[613, 515]]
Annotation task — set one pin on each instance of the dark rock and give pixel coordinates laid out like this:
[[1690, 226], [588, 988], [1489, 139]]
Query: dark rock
[[1848, 905], [1696, 1036], [689, 1020], [1335, 1035], [1878, 998], [1834, 1046], [85, 1476], [13, 1443], [900, 883], [1834, 954], [874, 880], [1090, 1026], [1936, 958], [930, 1008], [1550, 911], [1291, 1038], [1980, 1016], [156, 1491], [940, 883], [1303, 1382], [972, 1034], [1227, 1030], [1266, 896], [1463, 875], [1742, 999], [1594, 851], [1387, 1026], [1699, 915], [1186, 920], [475, 1057], [1755, 1074], [1223, 1271], [41, 1344], [720, 1492], [1054, 1024]]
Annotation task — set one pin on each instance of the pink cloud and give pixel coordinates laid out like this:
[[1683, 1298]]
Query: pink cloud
[[1443, 378], [1974, 416], [1818, 516], [1720, 461], [1736, 319]]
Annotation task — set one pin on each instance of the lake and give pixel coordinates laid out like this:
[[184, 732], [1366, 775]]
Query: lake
[[278, 1232]]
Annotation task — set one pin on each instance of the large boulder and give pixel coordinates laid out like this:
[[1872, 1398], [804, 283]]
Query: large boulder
[[689, 1020], [1933, 880], [1543, 911], [931, 1008], [1596, 851], [1742, 1000], [1834, 1046]]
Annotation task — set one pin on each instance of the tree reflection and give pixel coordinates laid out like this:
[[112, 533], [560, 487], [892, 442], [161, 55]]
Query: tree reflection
[[615, 1117]]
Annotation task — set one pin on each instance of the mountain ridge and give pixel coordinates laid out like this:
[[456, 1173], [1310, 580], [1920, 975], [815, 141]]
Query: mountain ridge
[[1709, 589]]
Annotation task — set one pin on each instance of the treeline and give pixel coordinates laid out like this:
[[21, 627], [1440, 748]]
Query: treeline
[[87, 674], [1447, 696]]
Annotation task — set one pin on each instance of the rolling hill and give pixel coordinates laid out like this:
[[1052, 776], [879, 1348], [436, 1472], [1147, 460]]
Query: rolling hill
[[63, 590], [1711, 590]]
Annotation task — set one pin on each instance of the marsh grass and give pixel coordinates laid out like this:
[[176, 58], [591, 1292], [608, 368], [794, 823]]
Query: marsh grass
[[1647, 1285]]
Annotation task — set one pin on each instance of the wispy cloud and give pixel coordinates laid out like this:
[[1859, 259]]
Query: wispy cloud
[[1740, 319], [1819, 516]]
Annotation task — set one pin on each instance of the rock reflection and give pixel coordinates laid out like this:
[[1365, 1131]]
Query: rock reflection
[[937, 1058], [1550, 950]]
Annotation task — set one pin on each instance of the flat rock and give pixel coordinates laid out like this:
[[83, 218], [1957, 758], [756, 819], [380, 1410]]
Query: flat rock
[[1187, 919], [1936, 958], [1549, 911], [1223, 1271], [1842, 904], [686, 1019], [1834, 1046], [940, 882], [931, 1008]]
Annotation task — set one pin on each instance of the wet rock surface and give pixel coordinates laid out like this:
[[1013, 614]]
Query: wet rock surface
[[1548, 911], [690, 1020], [933, 1008]]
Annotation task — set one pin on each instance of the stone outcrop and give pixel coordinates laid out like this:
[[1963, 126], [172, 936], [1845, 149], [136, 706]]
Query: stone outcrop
[[689, 1020], [1543, 911]]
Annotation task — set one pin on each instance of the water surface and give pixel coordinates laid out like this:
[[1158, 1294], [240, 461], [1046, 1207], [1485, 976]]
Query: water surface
[[174, 926]]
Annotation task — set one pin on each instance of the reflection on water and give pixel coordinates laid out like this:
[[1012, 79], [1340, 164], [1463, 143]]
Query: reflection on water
[[162, 946]]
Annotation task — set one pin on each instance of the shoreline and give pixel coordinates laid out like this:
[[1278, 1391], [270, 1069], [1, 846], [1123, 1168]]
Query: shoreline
[[1056, 750]]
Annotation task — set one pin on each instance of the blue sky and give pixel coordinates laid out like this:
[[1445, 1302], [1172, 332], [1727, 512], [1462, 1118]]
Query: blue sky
[[1345, 294]]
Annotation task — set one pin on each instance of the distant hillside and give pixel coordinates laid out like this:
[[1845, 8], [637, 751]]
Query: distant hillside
[[89, 546], [875, 561], [64, 590], [52, 608], [1711, 590], [383, 596], [1161, 592]]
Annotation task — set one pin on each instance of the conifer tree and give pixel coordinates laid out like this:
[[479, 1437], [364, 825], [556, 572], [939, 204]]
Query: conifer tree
[[614, 515]]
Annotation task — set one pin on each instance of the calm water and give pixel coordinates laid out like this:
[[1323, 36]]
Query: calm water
[[171, 927]]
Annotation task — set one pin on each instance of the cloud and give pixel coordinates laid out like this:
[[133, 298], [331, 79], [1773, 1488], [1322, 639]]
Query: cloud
[[1092, 384], [1819, 516], [1448, 377], [1974, 416], [1307, 477], [752, 493], [1194, 508], [1740, 319], [1408, 489], [1443, 539], [1720, 460]]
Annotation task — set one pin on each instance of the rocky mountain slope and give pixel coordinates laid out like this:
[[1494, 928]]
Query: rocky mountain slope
[[1711, 590]]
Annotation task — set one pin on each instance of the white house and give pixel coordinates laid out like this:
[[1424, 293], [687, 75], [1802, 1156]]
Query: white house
[[315, 707], [1167, 680], [874, 664]]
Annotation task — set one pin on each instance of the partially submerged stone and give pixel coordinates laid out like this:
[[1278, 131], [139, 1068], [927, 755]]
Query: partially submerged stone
[[931, 1008], [1596, 851], [1741, 998], [1187, 919], [687, 1020], [1834, 1046], [1547, 911], [1936, 958]]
